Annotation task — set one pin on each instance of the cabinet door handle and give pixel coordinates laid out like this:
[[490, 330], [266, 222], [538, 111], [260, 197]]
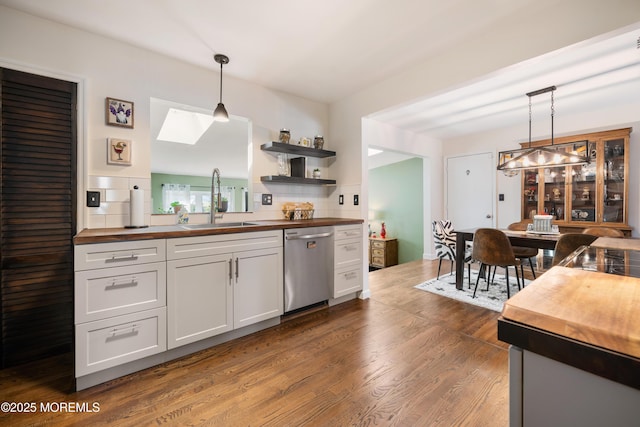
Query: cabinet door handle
[[114, 258], [230, 271], [127, 330], [115, 285], [237, 269]]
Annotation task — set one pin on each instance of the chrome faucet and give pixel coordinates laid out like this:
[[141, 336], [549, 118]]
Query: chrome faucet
[[215, 207]]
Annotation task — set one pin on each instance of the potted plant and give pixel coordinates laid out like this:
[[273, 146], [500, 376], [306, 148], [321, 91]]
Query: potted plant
[[176, 206], [316, 173], [224, 205]]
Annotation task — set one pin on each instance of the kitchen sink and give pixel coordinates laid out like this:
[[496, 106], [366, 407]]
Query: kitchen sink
[[217, 225]]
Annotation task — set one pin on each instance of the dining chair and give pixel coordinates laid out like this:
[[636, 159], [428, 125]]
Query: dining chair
[[522, 252], [603, 232], [492, 248], [569, 242], [444, 239]]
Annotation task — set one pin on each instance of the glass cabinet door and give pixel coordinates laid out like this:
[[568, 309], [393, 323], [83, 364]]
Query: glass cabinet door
[[554, 192], [530, 196], [614, 177], [583, 192]]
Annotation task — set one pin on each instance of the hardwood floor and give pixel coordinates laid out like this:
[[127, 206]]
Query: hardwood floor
[[402, 358]]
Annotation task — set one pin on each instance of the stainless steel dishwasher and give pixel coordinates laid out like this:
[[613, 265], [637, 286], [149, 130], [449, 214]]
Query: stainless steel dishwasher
[[308, 266]]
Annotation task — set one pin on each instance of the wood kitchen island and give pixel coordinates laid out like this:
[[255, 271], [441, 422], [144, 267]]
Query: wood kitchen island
[[575, 343]]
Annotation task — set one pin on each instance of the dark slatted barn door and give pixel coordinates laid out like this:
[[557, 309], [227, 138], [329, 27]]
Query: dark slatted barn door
[[37, 215]]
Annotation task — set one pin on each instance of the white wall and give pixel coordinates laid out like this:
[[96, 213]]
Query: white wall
[[544, 27], [108, 68]]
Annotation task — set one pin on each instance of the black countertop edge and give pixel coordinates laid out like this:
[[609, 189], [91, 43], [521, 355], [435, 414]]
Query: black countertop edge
[[618, 367]]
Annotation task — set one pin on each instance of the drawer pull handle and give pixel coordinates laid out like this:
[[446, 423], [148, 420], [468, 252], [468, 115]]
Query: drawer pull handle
[[132, 257], [350, 248], [237, 269], [350, 275], [116, 285], [230, 271], [128, 330]]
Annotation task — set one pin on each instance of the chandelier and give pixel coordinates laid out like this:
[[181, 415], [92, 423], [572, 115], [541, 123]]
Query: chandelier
[[554, 155]]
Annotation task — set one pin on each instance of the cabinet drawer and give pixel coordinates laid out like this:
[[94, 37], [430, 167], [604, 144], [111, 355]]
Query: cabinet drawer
[[375, 245], [190, 247], [378, 261], [377, 252], [109, 292], [106, 343], [347, 282], [348, 252], [348, 232], [116, 254]]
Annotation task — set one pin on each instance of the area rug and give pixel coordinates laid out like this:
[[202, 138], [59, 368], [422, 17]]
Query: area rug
[[493, 299]]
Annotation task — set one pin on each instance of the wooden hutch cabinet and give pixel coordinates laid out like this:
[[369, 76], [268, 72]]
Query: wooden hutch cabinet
[[584, 195]]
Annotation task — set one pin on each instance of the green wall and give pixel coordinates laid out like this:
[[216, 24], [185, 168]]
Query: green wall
[[396, 197]]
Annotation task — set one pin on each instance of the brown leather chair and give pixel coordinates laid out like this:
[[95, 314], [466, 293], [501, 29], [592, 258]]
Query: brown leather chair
[[569, 242], [492, 248], [603, 232], [522, 252]]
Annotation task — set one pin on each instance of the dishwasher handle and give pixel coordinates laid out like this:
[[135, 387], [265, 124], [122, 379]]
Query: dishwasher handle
[[307, 236]]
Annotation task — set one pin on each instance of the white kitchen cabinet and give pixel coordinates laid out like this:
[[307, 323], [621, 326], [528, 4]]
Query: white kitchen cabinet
[[222, 282], [258, 291], [108, 292], [119, 303], [109, 342], [200, 298], [348, 261], [545, 392]]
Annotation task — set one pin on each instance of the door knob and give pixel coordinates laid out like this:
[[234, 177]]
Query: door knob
[[488, 215]]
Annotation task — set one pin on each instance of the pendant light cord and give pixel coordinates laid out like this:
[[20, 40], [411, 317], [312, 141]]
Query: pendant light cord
[[552, 114], [220, 82], [529, 121]]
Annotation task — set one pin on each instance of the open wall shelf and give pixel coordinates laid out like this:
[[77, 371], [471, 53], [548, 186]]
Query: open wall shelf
[[296, 150], [295, 180], [279, 147]]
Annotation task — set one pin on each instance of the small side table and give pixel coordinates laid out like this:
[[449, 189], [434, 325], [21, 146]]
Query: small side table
[[383, 252]]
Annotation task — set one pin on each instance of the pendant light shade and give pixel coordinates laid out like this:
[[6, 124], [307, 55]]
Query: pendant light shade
[[554, 155], [220, 114]]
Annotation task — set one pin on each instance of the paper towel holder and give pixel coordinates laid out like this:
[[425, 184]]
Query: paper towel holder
[[135, 187]]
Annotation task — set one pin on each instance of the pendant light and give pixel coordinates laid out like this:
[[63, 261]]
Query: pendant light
[[549, 156], [220, 114]]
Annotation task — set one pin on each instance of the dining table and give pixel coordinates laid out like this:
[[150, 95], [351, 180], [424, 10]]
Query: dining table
[[517, 238]]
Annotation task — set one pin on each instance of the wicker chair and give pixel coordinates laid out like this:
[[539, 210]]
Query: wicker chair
[[444, 239], [492, 248], [603, 232], [569, 242]]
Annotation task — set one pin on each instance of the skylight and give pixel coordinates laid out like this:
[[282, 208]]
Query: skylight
[[184, 127]]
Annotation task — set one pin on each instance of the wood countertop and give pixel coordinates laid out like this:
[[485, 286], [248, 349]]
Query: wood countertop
[[628, 244], [586, 319], [104, 235], [588, 306]]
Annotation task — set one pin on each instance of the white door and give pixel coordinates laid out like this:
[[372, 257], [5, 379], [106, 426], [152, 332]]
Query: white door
[[470, 188]]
